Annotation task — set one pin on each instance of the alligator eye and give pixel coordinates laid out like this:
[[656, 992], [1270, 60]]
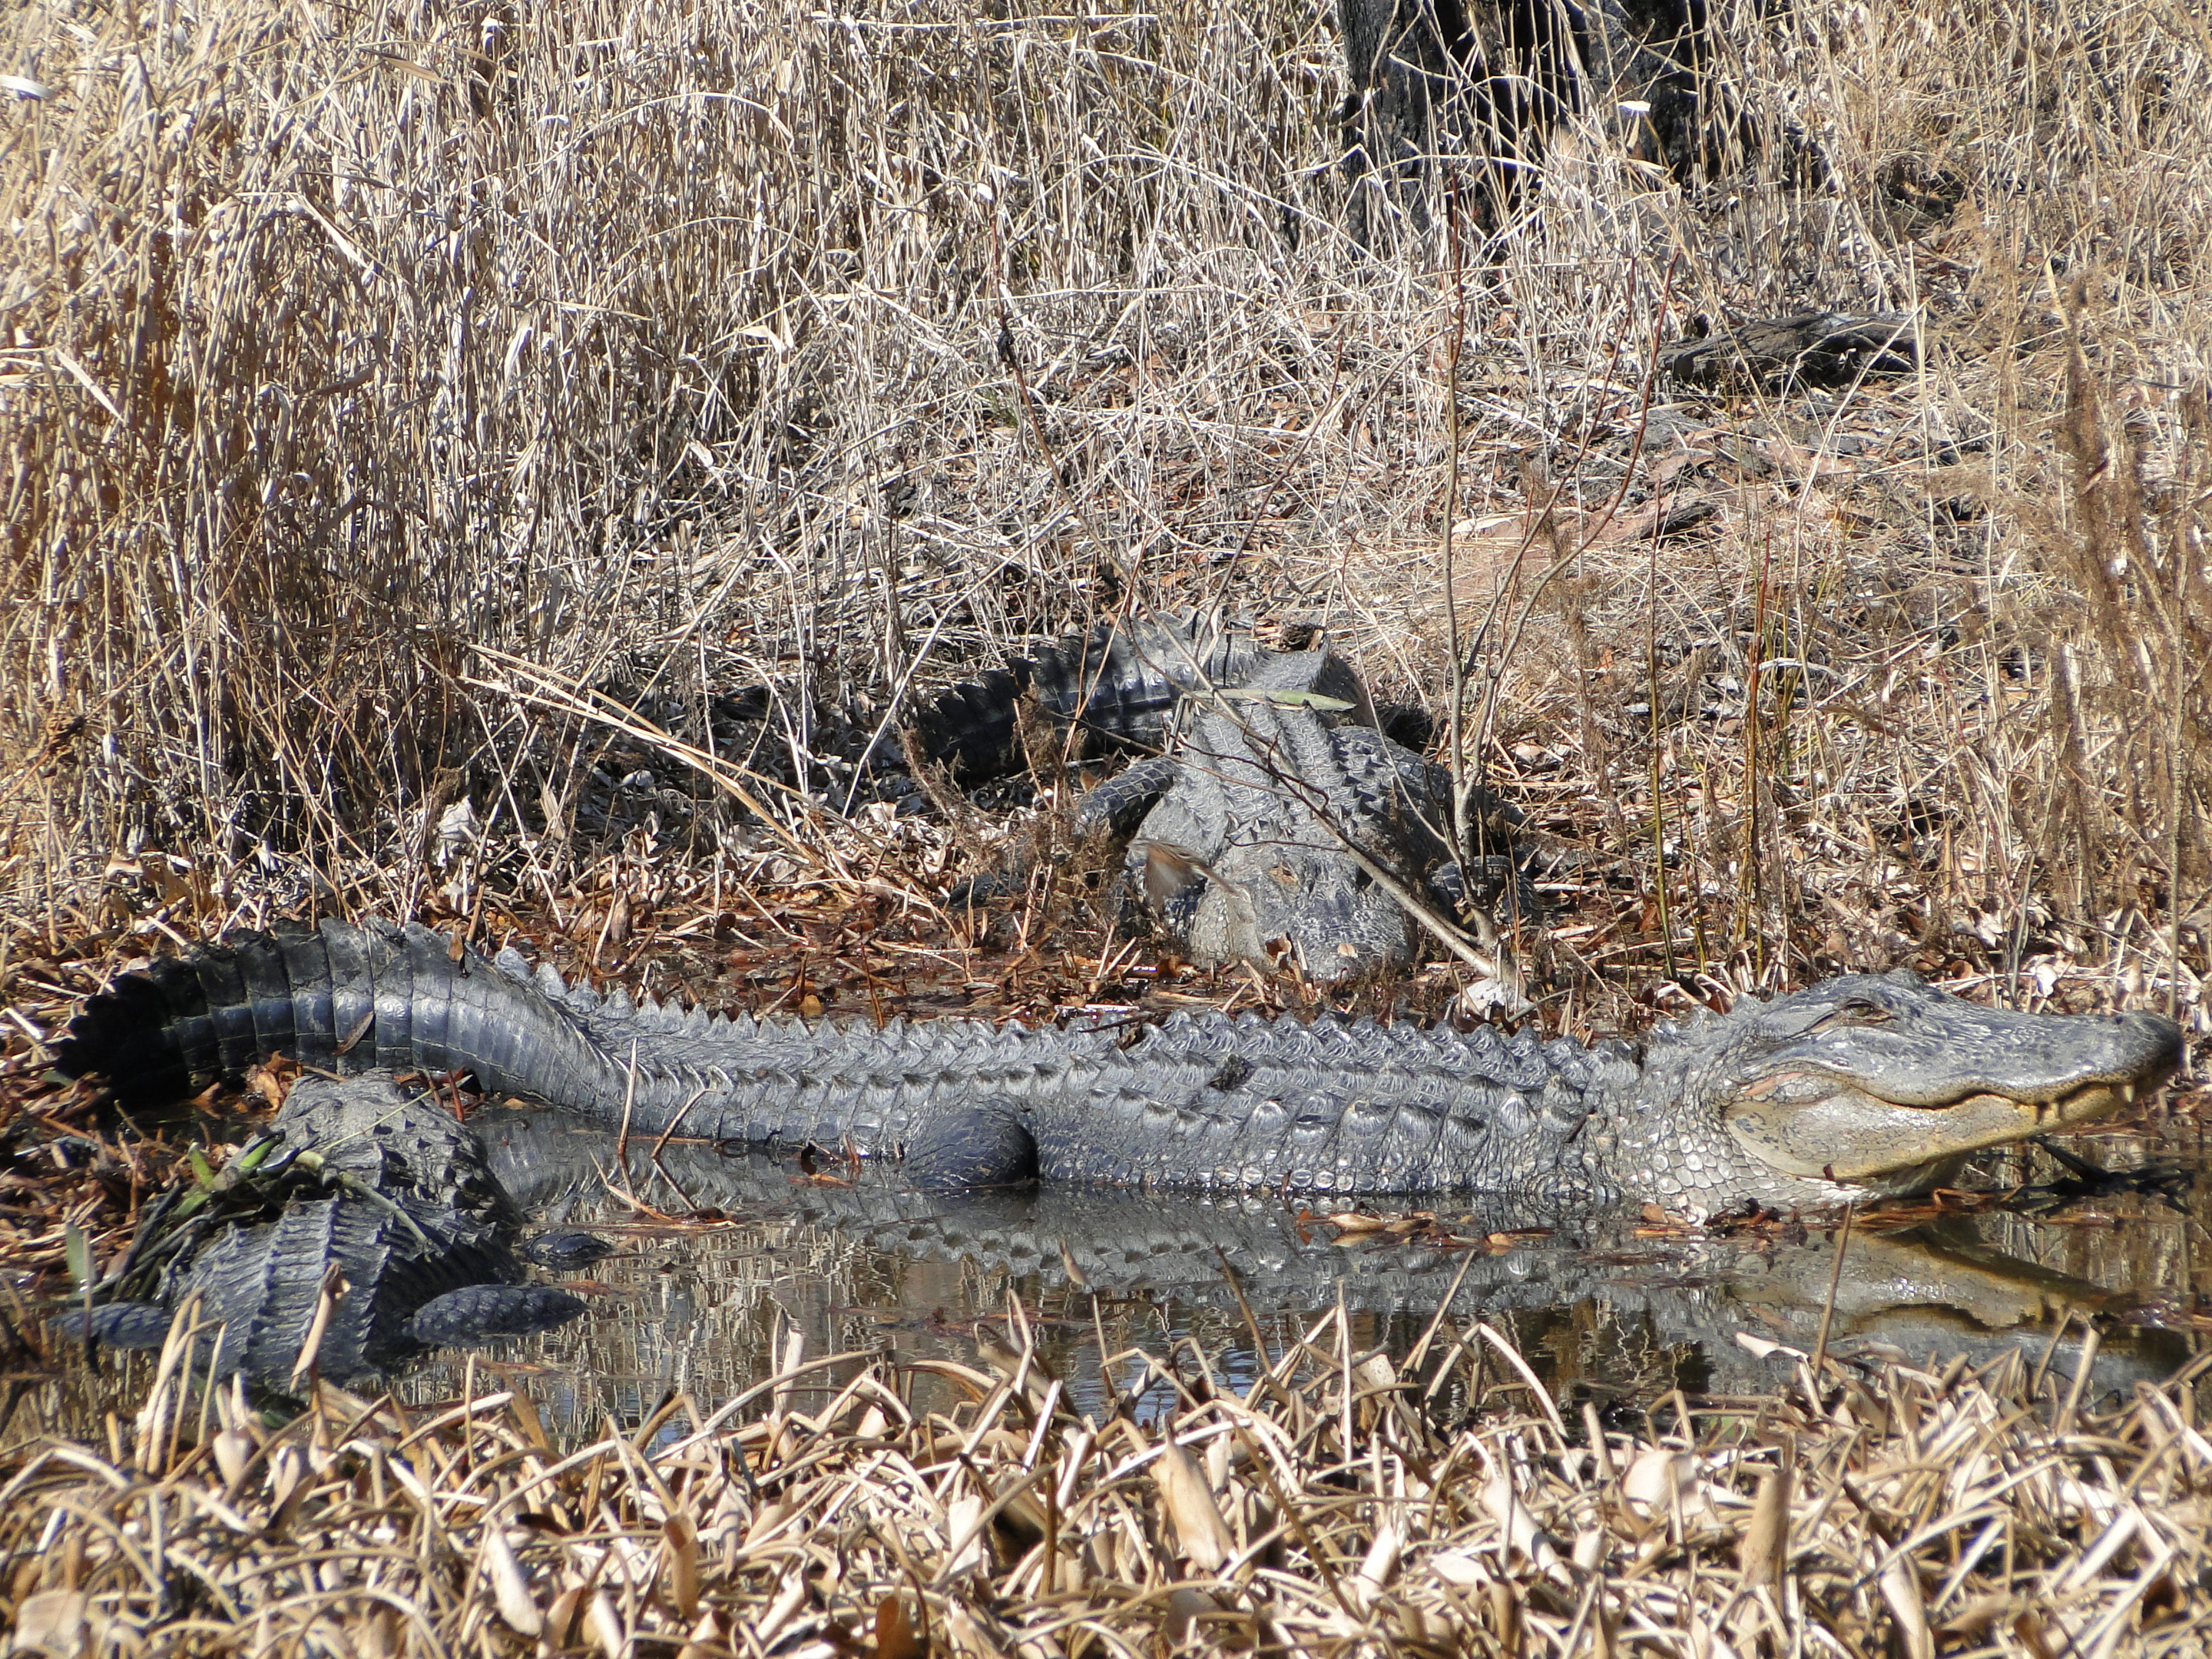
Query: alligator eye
[[1856, 1012]]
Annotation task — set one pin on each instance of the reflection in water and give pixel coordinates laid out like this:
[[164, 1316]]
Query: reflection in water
[[1219, 1287], [733, 1265]]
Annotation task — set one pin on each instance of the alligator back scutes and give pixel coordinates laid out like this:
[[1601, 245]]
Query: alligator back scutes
[[343, 997], [1523, 1059]]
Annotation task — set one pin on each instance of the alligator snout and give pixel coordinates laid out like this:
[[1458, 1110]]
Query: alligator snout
[[1895, 1087]]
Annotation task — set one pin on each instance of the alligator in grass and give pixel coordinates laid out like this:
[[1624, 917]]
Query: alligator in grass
[[1270, 821], [1861, 1086], [364, 1176]]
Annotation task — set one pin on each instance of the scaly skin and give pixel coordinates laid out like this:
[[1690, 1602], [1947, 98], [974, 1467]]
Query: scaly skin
[[366, 1178], [1861, 1086], [1257, 836], [1256, 832]]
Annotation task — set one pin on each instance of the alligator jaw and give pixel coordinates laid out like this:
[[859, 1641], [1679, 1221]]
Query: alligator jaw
[[1843, 1134]]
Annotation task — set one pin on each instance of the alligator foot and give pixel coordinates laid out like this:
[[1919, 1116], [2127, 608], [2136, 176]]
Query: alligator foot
[[481, 1313], [972, 1146]]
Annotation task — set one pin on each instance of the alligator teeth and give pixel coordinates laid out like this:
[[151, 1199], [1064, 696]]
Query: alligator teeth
[[2128, 1093]]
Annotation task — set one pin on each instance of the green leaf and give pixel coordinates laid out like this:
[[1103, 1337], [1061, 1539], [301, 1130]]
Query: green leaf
[[1286, 697], [256, 1155], [203, 1171]]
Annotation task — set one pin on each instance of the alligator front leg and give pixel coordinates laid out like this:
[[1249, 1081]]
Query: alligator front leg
[[1112, 811], [1154, 874]]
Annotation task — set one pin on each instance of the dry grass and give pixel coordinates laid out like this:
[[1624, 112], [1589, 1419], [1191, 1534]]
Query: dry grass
[[383, 382], [1330, 1509], [386, 388]]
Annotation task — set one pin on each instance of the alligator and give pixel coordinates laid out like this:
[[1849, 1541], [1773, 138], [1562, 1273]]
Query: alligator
[[1808, 347], [1118, 686], [1270, 834], [363, 1175], [1271, 824], [1864, 1085]]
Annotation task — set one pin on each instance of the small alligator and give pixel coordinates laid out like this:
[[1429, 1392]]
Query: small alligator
[[1861, 1086], [1270, 833], [1270, 822], [1808, 347], [360, 1175]]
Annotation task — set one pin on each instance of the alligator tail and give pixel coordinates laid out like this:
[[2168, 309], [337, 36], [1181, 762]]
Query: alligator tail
[[342, 998], [353, 998], [973, 730]]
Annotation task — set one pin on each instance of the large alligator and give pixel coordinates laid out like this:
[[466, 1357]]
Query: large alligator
[[360, 1175], [1863, 1086], [1271, 821]]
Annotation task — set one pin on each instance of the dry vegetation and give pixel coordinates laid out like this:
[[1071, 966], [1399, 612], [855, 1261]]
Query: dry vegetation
[[385, 384], [1328, 1509], [471, 458]]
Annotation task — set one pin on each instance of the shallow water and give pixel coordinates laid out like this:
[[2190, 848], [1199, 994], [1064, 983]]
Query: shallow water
[[729, 1265], [1618, 1313]]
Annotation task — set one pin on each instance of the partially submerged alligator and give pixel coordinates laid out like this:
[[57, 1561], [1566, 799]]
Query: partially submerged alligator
[[1861, 1086], [360, 1175], [1270, 822]]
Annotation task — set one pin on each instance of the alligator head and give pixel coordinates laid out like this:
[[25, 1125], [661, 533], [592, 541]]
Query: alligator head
[[1873, 1085], [1282, 906]]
